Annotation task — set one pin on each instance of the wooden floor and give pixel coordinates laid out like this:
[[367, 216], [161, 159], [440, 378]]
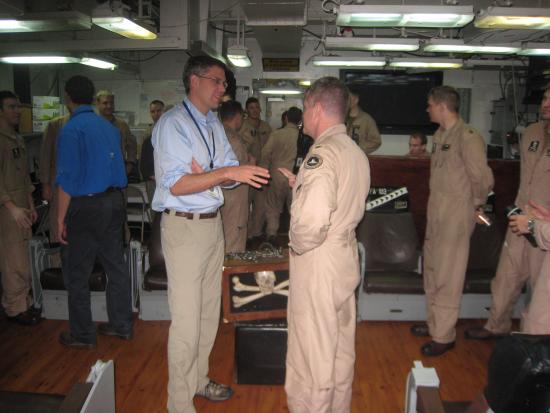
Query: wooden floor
[[32, 360]]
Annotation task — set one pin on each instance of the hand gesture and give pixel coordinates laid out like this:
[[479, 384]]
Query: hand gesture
[[254, 176], [289, 175]]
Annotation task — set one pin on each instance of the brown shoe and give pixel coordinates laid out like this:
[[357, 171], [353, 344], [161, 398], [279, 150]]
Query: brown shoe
[[107, 329], [26, 318], [481, 333], [434, 349], [67, 339], [420, 330]]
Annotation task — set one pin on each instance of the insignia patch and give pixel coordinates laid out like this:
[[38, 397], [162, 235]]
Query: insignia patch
[[446, 147], [533, 146], [313, 162], [16, 153], [434, 147]]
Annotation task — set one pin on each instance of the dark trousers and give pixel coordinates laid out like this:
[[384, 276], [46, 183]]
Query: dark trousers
[[95, 229]]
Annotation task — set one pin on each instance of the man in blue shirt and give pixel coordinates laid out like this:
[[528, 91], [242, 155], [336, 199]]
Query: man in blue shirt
[[193, 159], [91, 215]]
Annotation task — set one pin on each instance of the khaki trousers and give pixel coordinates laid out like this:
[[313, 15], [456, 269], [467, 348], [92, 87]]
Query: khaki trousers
[[321, 329], [193, 252], [256, 218], [518, 263], [536, 320], [235, 218], [277, 195], [14, 265], [446, 249]]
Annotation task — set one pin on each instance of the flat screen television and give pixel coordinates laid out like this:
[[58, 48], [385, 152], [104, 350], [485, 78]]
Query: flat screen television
[[396, 100]]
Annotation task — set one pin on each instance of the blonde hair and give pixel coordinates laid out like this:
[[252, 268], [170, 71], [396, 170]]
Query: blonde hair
[[102, 93]]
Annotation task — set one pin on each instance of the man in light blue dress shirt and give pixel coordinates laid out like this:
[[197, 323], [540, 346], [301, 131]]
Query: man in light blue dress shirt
[[193, 160]]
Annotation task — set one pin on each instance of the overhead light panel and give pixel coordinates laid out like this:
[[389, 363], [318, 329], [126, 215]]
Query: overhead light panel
[[513, 18], [39, 59], [404, 16], [46, 21], [98, 63], [492, 63], [276, 91], [418, 63], [118, 20], [238, 56], [335, 61], [387, 44], [458, 46], [535, 49]]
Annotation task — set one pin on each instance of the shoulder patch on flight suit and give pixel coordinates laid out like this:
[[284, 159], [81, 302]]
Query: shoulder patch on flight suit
[[446, 147], [533, 146], [313, 162]]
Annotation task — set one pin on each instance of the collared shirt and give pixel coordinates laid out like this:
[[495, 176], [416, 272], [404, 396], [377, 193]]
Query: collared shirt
[[176, 142], [89, 158]]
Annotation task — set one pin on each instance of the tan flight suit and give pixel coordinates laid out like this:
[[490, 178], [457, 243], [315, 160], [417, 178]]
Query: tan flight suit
[[460, 181], [235, 208], [255, 138], [328, 202], [15, 186], [128, 141], [537, 317], [363, 130], [519, 261], [47, 168], [279, 152]]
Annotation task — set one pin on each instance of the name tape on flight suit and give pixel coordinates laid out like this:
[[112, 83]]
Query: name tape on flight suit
[[386, 198]]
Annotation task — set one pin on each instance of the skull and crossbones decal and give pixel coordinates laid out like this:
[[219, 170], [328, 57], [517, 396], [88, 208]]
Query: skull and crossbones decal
[[265, 285]]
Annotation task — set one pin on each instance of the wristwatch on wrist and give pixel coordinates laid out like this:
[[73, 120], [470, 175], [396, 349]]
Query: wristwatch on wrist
[[531, 226]]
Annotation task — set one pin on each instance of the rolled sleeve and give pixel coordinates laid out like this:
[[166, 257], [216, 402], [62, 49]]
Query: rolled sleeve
[[312, 208]]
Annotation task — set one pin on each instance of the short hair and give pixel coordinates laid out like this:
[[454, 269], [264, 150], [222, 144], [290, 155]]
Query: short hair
[[354, 90], [103, 93], [80, 89], [332, 94], [157, 102], [198, 65], [6, 94], [447, 95], [294, 115], [228, 110], [421, 136], [251, 100]]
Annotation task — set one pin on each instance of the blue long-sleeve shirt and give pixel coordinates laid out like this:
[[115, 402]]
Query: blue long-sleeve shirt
[[177, 141], [89, 158]]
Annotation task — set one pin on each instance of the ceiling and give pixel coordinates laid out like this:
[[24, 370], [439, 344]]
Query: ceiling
[[279, 26]]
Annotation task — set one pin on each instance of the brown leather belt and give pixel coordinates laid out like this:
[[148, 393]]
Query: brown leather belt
[[190, 215]]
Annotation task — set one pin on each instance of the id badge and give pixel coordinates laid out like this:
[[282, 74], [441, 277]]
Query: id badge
[[214, 192]]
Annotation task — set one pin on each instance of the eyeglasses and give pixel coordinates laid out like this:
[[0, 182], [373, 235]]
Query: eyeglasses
[[218, 82]]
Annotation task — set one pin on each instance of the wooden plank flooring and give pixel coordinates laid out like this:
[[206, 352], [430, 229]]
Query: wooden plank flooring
[[32, 360]]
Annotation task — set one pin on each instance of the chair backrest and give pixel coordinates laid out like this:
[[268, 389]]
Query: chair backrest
[[156, 257], [390, 241]]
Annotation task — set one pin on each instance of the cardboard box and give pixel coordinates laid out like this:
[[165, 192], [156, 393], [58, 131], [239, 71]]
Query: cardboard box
[[46, 102], [45, 114], [39, 125]]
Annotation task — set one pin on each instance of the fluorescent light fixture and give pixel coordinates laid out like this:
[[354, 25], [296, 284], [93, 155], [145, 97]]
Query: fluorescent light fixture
[[238, 56], [39, 59], [431, 63], [535, 49], [404, 16], [492, 63], [100, 64], [334, 61], [118, 21], [458, 46], [306, 83], [281, 91], [513, 18], [372, 43], [46, 21]]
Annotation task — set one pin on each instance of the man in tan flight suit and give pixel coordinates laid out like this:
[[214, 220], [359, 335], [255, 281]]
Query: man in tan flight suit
[[280, 152], [235, 208], [460, 181], [17, 215], [329, 195], [519, 260], [105, 102], [255, 133], [361, 126], [146, 160], [536, 318], [48, 158]]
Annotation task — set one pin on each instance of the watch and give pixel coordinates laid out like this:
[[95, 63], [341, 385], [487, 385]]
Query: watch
[[531, 226]]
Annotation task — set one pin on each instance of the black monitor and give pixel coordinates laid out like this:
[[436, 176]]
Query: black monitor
[[396, 100]]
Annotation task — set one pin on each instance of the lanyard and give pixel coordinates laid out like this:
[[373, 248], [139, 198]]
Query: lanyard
[[211, 154]]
